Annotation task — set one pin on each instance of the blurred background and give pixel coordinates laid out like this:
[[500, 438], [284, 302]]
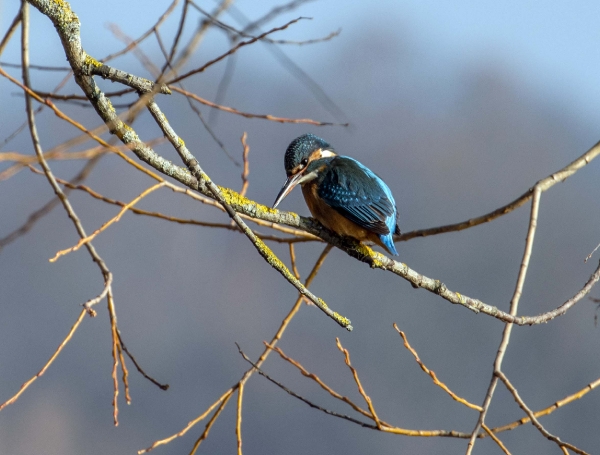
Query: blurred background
[[459, 106]]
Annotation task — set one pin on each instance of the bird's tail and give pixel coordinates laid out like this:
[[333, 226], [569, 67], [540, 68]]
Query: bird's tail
[[388, 243]]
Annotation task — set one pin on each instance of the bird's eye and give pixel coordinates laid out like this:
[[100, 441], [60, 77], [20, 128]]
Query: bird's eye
[[304, 162]]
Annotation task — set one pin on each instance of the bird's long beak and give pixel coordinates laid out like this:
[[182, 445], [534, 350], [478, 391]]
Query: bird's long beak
[[288, 186]]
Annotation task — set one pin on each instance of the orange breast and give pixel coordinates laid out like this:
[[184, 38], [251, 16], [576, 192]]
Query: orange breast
[[333, 220]]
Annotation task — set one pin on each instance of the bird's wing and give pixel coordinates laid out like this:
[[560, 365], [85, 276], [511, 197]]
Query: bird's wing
[[359, 195]]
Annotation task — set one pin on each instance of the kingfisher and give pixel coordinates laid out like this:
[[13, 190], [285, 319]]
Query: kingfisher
[[342, 194]]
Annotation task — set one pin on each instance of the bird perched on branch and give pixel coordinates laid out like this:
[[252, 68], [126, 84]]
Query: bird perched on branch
[[341, 193]]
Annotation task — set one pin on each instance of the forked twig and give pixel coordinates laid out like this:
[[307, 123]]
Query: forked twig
[[550, 409], [208, 426], [361, 390], [534, 420]]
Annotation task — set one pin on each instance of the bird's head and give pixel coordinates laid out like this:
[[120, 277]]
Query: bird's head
[[301, 162]]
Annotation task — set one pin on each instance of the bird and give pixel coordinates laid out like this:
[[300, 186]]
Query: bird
[[341, 193]]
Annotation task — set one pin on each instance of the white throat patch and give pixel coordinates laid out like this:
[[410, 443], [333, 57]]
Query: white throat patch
[[327, 154]]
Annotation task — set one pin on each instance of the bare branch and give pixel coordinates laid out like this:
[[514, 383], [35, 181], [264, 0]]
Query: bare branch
[[514, 305], [139, 84]]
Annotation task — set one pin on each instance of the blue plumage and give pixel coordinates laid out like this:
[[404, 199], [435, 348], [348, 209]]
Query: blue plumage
[[360, 195], [343, 194]]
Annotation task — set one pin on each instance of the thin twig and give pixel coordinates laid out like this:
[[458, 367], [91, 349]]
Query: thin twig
[[48, 363], [532, 417], [92, 134], [361, 390], [125, 371], [12, 28], [137, 51], [293, 261], [37, 67], [514, 305], [433, 376], [137, 365], [301, 398], [116, 218], [178, 33], [207, 127], [495, 439], [246, 170], [24, 159], [238, 419], [90, 303], [115, 353], [195, 40], [272, 118], [590, 255]]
